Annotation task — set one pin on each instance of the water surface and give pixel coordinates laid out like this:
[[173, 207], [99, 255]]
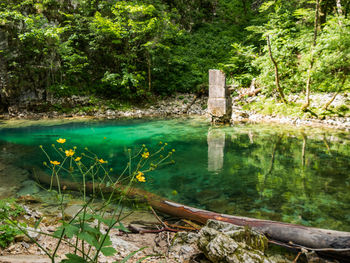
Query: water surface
[[264, 171]]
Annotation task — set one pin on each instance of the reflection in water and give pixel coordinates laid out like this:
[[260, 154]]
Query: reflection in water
[[303, 150], [216, 146], [284, 174], [298, 178]]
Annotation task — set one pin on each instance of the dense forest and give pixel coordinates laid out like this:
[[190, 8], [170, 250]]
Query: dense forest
[[132, 50]]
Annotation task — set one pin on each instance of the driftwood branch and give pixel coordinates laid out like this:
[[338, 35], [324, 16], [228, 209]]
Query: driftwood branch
[[251, 93], [140, 230], [323, 240]]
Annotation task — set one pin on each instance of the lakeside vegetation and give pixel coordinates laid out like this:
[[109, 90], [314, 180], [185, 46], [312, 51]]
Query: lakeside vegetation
[[132, 50]]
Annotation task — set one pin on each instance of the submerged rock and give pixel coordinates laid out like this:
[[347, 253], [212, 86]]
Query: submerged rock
[[29, 187], [10, 178], [72, 210]]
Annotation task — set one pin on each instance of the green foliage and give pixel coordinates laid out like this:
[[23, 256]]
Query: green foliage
[[9, 209], [124, 49], [88, 232], [333, 56], [7, 233], [268, 106], [240, 68], [290, 26], [132, 49]]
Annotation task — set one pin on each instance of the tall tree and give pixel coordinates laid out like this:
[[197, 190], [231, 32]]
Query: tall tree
[[4, 85], [277, 78], [312, 57]]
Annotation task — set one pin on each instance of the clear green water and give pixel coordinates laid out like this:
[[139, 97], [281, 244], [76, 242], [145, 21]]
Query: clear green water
[[286, 174]]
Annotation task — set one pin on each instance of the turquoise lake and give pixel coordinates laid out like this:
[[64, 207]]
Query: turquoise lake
[[284, 173]]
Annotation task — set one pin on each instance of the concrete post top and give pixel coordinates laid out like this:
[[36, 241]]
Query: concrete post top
[[217, 84], [219, 102]]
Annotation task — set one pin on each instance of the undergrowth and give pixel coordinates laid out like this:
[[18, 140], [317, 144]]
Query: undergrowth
[[269, 106]]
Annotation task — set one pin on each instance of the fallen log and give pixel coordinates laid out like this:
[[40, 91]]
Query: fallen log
[[329, 242], [250, 93]]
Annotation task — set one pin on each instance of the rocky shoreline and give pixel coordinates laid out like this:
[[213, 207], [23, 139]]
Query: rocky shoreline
[[77, 106], [179, 105]]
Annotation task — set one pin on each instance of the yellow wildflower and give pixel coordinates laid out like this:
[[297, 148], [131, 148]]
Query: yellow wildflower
[[173, 150], [104, 138], [77, 159], [69, 152], [140, 177], [60, 140], [55, 162], [102, 161], [145, 155]]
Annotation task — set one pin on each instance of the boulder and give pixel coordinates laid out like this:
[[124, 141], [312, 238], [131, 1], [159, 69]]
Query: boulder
[[224, 242]]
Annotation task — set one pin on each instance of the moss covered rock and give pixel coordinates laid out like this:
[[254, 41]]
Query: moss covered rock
[[224, 242]]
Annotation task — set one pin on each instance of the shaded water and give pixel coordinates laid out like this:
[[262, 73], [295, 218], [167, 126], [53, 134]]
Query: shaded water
[[286, 174]]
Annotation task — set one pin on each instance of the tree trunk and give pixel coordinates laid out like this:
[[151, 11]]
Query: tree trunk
[[4, 86], [303, 150], [308, 81], [328, 103], [149, 71], [339, 8], [325, 107], [244, 6], [277, 78], [296, 236]]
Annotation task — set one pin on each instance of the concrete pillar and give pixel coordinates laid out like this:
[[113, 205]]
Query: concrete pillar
[[219, 102], [216, 147]]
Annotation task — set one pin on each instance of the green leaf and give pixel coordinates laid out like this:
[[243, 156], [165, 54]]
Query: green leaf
[[122, 227], [85, 217], [142, 259], [92, 230], [69, 230], [131, 255], [72, 258], [38, 222], [108, 251], [104, 220], [88, 238], [107, 241], [58, 232]]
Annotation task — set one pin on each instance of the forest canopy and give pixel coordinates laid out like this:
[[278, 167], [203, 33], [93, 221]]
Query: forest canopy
[[133, 49]]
